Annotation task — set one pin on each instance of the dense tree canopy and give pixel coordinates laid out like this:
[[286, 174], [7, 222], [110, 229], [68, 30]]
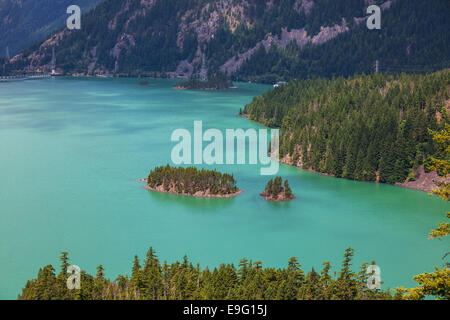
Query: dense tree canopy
[[414, 37], [370, 128], [154, 280], [277, 191], [191, 180]]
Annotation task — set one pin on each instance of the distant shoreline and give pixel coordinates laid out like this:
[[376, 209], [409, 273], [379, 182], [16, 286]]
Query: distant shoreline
[[214, 83], [205, 89]]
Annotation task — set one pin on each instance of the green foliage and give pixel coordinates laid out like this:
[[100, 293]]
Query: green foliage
[[441, 163], [287, 190], [184, 281], [276, 190], [191, 180], [437, 283], [217, 82], [369, 128]]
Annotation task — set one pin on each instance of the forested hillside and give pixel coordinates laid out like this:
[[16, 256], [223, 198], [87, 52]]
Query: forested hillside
[[370, 128], [23, 22], [254, 40], [154, 280], [414, 37]]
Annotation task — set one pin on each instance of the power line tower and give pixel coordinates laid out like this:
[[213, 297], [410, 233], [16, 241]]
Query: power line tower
[[53, 63], [204, 69]]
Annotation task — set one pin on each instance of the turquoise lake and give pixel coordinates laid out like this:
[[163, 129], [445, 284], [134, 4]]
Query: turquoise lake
[[72, 149]]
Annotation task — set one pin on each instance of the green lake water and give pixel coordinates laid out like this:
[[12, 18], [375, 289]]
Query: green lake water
[[72, 149]]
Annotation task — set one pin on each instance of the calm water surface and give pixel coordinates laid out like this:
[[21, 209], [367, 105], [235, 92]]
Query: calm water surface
[[71, 150]]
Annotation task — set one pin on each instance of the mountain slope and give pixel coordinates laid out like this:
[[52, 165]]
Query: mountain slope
[[414, 37], [23, 22], [369, 128], [249, 39]]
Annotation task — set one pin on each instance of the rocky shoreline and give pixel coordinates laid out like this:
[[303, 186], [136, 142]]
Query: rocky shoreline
[[278, 199], [424, 181], [203, 194]]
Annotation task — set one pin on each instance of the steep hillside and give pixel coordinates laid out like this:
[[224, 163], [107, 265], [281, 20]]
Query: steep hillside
[[414, 37], [369, 128], [248, 39], [23, 22]]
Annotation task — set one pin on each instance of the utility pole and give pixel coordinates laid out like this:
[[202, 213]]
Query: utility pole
[[377, 66], [53, 63], [7, 53], [204, 69]]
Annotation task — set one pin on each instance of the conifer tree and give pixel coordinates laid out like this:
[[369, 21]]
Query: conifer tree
[[136, 274], [346, 288], [64, 262], [151, 276], [287, 190]]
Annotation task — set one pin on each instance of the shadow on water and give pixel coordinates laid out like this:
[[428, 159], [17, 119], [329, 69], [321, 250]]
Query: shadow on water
[[202, 205], [278, 205]]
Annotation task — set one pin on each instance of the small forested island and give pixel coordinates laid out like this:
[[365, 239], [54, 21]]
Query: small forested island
[[192, 182], [217, 82], [277, 191]]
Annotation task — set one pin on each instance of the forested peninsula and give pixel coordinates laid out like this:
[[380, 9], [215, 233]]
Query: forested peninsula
[[367, 127], [192, 182]]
